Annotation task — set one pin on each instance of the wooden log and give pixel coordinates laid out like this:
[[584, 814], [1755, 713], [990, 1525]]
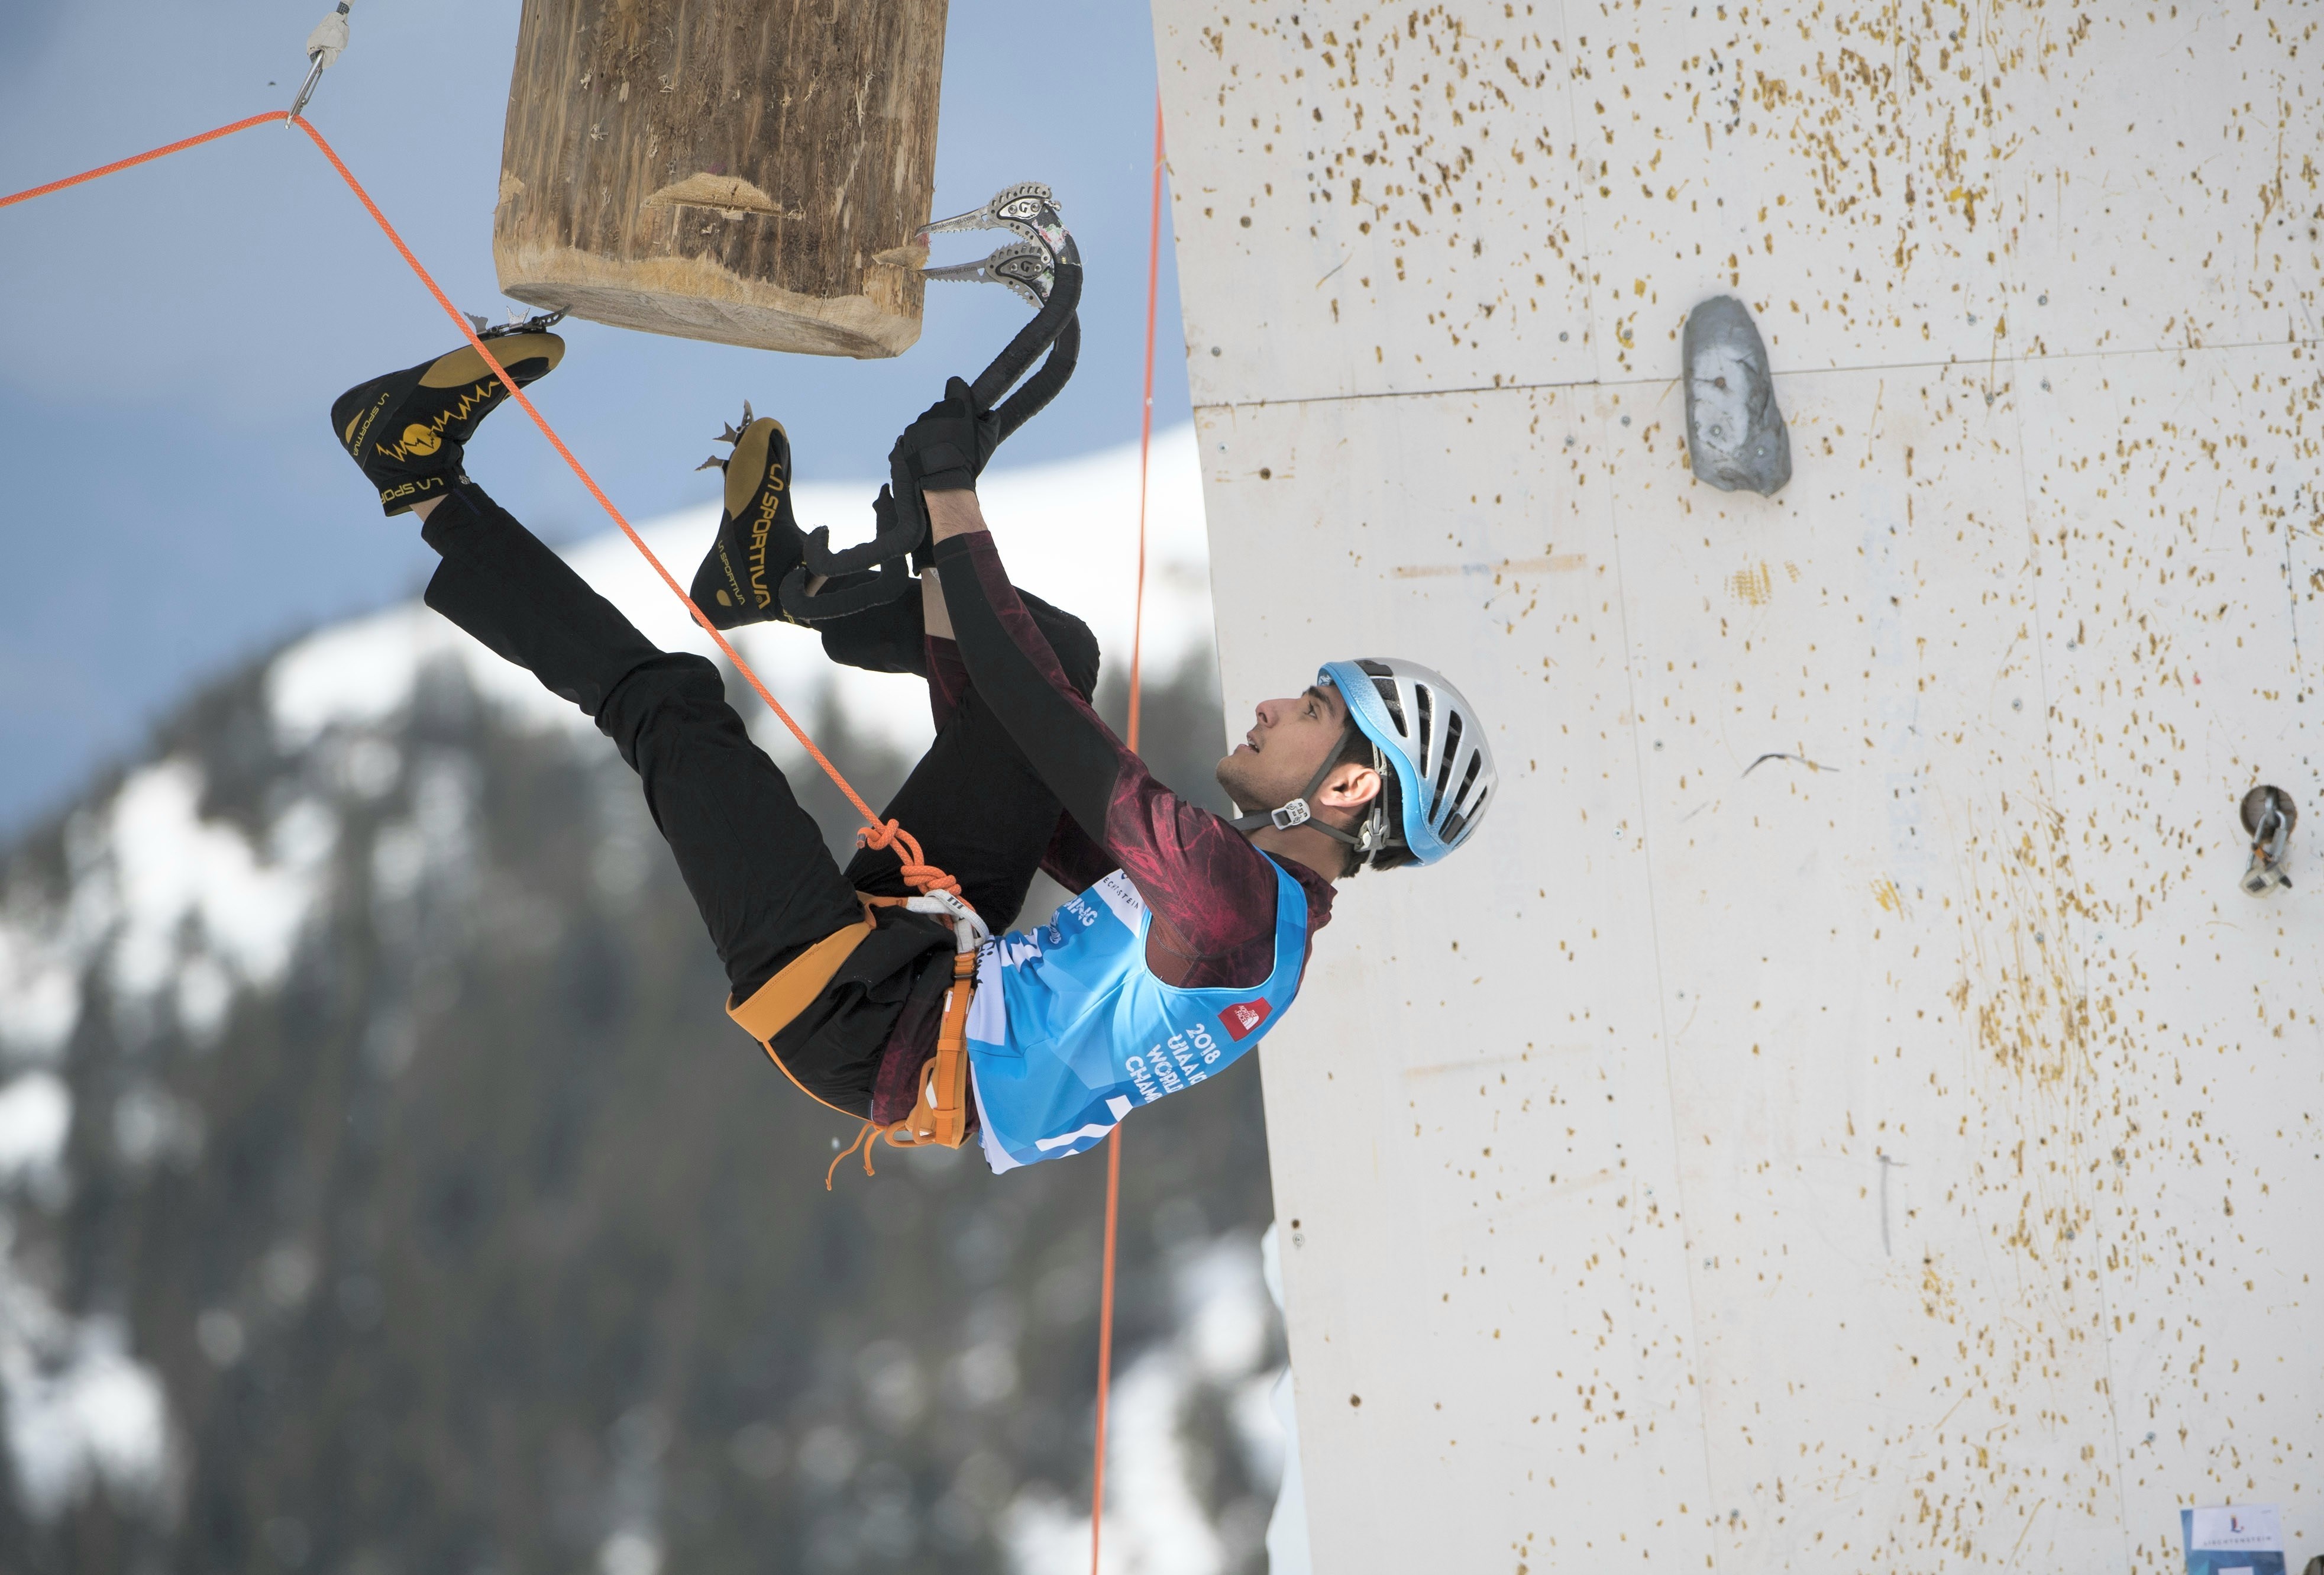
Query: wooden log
[[751, 171]]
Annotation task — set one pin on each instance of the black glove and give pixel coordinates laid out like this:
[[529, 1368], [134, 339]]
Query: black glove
[[945, 450]]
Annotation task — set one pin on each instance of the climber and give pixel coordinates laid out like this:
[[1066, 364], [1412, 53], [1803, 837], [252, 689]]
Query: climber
[[1190, 932]]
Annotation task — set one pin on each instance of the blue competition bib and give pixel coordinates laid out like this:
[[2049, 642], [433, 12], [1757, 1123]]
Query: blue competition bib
[[1069, 1030]]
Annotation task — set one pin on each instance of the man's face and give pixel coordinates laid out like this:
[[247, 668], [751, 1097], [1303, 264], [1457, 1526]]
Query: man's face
[[1288, 740]]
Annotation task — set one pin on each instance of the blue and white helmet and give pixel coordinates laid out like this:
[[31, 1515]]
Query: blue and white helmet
[[1426, 732]]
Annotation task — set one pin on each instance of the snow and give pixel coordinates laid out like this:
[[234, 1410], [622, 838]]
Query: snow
[[363, 672], [78, 1407], [90, 1412], [177, 908], [1155, 1524], [205, 991], [434, 846], [40, 995], [1224, 1316], [630, 1552], [1068, 531], [35, 1115], [150, 1123], [169, 866]]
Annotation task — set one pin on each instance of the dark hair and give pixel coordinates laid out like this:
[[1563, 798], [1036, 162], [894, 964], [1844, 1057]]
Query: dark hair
[[1358, 750]]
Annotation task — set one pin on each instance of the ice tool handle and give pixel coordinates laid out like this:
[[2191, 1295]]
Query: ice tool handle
[[1053, 286], [1044, 266]]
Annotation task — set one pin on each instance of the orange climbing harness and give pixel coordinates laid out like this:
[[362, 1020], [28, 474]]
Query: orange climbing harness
[[940, 1114]]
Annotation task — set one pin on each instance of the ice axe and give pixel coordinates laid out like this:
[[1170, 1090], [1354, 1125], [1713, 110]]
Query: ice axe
[[1042, 265]]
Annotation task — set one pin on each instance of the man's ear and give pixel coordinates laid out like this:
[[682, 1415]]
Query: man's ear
[[1351, 787]]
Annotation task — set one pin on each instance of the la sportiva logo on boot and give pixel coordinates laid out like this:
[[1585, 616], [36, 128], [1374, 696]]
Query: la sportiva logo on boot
[[1243, 1018], [359, 429], [422, 439], [727, 569], [770, 500]]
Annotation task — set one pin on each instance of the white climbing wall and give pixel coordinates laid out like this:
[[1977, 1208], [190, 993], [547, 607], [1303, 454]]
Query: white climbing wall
[[1907, 1151]]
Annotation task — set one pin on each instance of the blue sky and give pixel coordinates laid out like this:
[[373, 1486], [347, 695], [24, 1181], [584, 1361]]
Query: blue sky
[[170, 338]]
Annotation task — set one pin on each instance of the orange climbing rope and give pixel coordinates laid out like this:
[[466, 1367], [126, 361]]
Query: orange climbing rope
[[274, 116], [1137, 658]]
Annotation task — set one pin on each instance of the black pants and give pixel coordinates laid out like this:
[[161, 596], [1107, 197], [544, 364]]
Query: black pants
[[753, 859]]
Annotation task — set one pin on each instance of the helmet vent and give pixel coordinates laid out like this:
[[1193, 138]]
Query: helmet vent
[[1427, 723], [1468, 781], [1456, 824], [1444, 760], [1383, 679]]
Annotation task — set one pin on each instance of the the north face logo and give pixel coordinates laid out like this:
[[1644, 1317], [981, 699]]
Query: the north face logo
[[1243, 1019]]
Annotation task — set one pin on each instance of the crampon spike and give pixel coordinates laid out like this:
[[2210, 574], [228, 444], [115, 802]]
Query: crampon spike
[[730, 435], [540, 323]]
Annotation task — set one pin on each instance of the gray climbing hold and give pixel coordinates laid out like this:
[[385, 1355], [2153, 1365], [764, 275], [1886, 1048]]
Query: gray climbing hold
[[1735, 436]]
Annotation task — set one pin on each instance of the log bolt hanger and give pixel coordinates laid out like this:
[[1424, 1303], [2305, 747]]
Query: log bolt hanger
[[323, 46], [2268, 816], [1044, 267]]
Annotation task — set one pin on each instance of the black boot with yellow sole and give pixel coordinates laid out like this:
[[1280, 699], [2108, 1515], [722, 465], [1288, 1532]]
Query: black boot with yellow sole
[[408, 429], [759, 540]]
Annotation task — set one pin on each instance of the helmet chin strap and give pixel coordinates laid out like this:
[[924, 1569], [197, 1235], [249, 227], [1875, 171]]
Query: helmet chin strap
[[1296, 813]]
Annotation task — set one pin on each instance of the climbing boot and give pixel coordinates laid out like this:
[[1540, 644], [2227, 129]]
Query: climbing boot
[[758, 537], [408, 430]]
